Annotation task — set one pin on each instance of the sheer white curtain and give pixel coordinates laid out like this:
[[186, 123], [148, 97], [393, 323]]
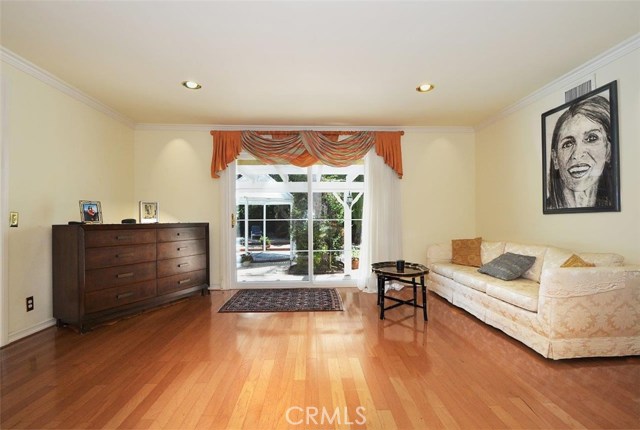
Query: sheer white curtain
[[227, 230], [382, 224]]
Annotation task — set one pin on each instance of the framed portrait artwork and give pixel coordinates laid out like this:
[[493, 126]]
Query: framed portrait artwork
[[580, 154], [149, 212], [90, 212]]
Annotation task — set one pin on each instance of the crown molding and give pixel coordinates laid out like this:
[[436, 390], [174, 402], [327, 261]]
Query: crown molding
[[588, 68], [42, 75], [208, 127], [175, 127], [454, 129]]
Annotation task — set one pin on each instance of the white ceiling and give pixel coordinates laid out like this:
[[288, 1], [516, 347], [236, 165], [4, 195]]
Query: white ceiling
[[312, 63]]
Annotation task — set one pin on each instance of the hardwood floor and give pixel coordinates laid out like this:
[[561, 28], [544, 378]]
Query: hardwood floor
[[187, 366]]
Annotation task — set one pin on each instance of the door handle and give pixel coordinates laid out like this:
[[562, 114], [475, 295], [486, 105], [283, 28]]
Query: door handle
[[233, 220]]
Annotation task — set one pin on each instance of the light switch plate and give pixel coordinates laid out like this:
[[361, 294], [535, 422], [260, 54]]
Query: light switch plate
[[13, 219]]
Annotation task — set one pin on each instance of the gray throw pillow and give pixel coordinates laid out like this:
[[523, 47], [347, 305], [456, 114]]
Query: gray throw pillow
[[508, 266]]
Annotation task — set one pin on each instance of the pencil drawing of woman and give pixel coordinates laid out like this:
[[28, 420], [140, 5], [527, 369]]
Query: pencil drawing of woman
[[580, 173]]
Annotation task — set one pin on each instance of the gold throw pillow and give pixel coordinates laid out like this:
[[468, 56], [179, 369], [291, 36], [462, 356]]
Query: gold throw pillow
[[576, 261], [466, 252]]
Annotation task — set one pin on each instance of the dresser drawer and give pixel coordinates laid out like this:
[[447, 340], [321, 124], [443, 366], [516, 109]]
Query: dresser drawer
[[183, 248], [180, 233], [118, 237], [181, 265], [96, 258], [180, 282], [99, 279], [118, 296]]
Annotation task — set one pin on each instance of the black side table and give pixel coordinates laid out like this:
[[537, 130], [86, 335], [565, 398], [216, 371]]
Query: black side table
[[387, 271]]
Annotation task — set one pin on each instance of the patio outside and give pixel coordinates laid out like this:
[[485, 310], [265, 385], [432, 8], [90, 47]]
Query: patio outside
[[273, 241]]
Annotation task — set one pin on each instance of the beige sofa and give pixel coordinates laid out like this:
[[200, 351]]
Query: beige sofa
[[558, 312]]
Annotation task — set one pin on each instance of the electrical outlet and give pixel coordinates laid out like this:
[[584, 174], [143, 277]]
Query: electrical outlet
[[30, 304]]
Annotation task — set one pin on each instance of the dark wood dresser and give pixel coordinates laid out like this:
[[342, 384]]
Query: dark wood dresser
[[103, 272]]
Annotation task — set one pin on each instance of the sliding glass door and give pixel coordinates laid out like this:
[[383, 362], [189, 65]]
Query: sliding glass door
[[297, 225]]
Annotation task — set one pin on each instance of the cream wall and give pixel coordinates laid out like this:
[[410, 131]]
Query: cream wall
[[59, 151], [172, 168], [438, 188], [509, 176]]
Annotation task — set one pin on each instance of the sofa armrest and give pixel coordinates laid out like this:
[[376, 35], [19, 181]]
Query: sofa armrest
[[591, 302], [439, 253]]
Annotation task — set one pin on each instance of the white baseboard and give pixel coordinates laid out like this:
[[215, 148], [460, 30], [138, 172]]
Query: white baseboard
[[17, 335]]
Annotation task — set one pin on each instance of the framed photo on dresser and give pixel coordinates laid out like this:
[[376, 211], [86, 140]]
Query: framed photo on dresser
[[149, 212], [90, 212]]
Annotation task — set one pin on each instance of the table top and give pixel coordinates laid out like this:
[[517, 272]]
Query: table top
[[410, 269]]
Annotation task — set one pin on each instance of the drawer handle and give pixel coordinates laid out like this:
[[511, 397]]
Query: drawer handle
[[124, 295], [123, 237], [130, 254], [124, 275], [183, 264], [184, 281], [182, 248]]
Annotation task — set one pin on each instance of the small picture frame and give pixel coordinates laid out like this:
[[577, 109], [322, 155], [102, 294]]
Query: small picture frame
[[90, 212], [149, 212]]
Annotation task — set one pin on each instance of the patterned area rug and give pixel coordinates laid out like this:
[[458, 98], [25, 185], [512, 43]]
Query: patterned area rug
[[284, 300]]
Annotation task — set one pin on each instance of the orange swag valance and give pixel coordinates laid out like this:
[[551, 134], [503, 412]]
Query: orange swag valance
[[305, 148]]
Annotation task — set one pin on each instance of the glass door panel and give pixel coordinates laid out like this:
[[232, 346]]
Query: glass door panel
[[328, 236], [297, 224], [267, 230]]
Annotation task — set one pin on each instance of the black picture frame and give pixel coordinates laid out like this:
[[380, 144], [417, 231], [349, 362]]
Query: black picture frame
[[582, 175]]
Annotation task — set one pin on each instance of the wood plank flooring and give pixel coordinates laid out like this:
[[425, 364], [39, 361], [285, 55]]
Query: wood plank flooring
[[186, 366]]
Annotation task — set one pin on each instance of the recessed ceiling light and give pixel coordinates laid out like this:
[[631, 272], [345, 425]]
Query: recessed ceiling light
[[191, 85], [424, 88]]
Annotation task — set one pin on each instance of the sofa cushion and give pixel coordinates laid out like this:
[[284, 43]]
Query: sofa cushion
[[522, 293], [472, 279], [446, 269], [466, 251], [508, 266], [575, 261], [491, 250], [465, 275], [537, 251], [438, 253], [555, 257]]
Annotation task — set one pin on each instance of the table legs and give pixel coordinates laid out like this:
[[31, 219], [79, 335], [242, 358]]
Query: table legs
[[414, 285], [424, 298], [381, 294]]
